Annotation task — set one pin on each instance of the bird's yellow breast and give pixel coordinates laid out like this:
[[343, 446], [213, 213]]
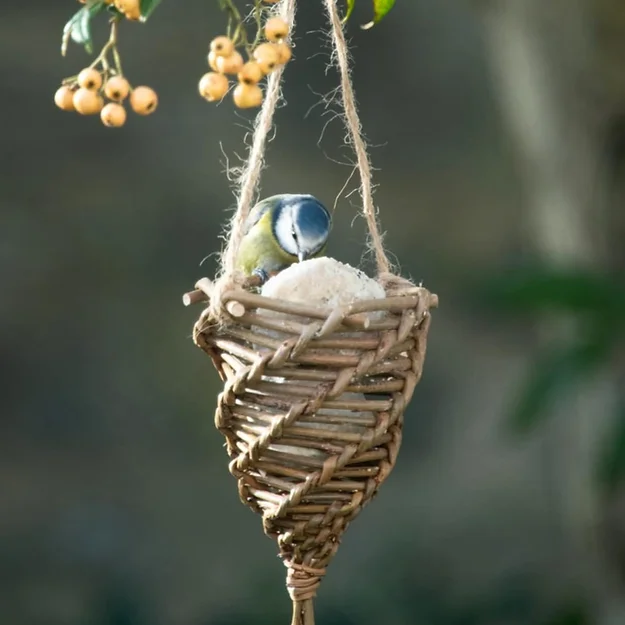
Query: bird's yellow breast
[[260, 250]]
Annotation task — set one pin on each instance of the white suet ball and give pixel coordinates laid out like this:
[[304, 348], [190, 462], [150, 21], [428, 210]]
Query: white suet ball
[[323, 282]]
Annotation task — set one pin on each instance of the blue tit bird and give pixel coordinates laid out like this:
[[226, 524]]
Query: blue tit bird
[[282, 230]]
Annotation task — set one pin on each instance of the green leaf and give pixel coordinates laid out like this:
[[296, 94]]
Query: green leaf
[[557, 372], [380, 9], [541, 290], [611, 463], [79, 26], [350, 7], [147, 8]]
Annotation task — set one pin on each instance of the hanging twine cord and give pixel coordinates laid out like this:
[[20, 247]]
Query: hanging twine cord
[[354, 130], [249, 179], [308, 540]]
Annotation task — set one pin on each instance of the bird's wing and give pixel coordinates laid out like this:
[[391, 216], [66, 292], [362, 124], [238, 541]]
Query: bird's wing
[[256, 215]]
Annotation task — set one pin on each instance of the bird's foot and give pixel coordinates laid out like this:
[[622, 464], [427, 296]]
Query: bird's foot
[[262, 275]]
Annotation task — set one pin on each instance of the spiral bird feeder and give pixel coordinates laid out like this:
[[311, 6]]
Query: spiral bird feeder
[[313, 396]]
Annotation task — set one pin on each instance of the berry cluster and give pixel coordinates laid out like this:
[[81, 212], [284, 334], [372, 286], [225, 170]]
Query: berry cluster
[[86, 95], [104, 80], [101, 88], [263, 58]]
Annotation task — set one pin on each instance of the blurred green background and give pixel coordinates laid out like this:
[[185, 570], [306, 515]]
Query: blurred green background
[[498, 131]]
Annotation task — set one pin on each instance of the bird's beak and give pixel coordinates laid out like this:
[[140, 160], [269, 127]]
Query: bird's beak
[[301, 256]]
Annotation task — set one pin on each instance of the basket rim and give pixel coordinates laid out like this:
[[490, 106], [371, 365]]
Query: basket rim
[[237, 300], [389, 302]]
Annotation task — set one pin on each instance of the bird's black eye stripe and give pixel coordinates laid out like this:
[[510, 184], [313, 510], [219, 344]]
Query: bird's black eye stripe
[[294, 233]]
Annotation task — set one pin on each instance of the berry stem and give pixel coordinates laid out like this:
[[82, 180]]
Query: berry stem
[[231, 9], [110, 45], [239, 37], [113, 41], [239, 34], [118, 61], [258, 15], [229, 29]]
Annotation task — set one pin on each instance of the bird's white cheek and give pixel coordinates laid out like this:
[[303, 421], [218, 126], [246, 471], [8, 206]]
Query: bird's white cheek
[[284, 234]]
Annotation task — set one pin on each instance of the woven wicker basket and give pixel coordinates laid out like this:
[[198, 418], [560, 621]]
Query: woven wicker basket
[[312, 412]]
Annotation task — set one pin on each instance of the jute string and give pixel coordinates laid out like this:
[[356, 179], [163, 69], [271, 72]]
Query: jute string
[[248, 181], [354, 132], [303, 579]]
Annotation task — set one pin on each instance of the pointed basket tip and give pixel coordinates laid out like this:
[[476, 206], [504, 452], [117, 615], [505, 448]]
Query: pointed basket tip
[[313, 421]]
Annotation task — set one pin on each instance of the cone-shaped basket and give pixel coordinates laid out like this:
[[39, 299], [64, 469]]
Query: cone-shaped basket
[[312, 411]]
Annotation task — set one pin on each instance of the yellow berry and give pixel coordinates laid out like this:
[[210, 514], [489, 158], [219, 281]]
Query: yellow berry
[[212, 61], [276, 29], [87, 102], [64, 98], [247, 96], [266, 56], [213, 86], [143, 100], [113, 115], [222, 46], [116, 88], [230, 64], [250, 73], [130, 8], [284, 52], [90, 78]]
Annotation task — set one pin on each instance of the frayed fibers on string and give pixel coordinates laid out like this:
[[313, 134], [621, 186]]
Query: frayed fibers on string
[[249, 179]]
